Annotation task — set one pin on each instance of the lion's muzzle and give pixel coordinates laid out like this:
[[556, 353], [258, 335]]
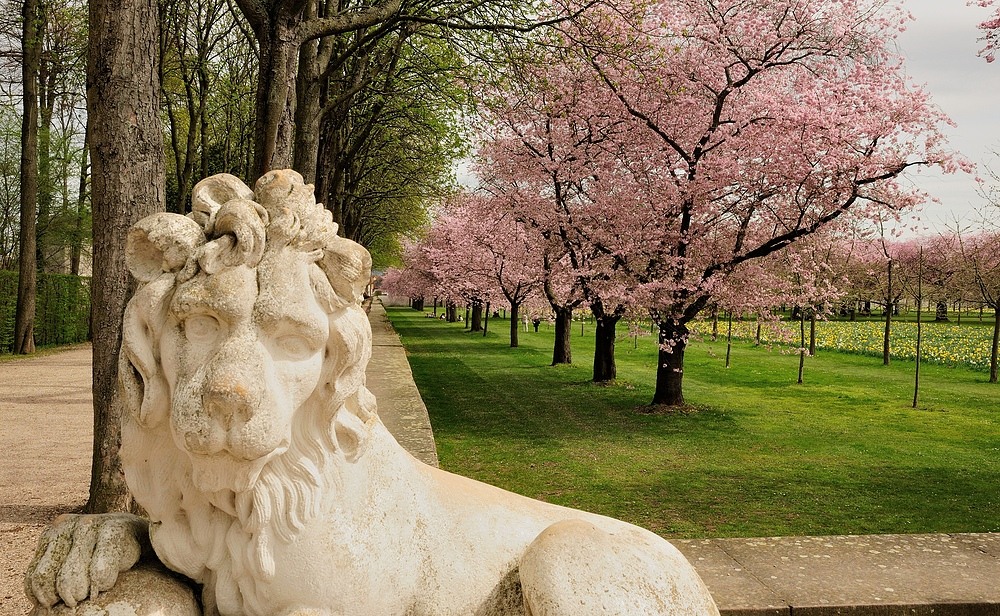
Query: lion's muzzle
[[229, 405]]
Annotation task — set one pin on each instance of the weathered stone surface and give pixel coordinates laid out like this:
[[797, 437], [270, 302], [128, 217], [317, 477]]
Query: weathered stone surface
[[143, 591], [407, 417], [255, 447], [884, 575], [736, 589]]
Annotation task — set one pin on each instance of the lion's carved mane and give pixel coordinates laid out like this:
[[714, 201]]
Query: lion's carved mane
[[222, 538]]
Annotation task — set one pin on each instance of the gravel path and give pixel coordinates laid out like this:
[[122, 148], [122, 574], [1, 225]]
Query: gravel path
[[46, 429]]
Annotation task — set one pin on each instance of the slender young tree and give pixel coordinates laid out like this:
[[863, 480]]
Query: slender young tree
[[981, 254], [32, 31], [919, 297]]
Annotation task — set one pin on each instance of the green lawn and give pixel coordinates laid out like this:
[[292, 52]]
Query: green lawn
[[843, 453]]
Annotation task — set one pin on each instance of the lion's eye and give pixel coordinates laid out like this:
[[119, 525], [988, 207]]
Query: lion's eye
[[295, 347], [201, 328]]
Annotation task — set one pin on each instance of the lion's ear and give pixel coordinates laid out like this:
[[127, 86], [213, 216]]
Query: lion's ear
[[143, 387], [211, 193], [161, 243]]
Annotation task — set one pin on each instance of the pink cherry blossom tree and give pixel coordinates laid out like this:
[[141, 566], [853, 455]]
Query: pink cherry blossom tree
[[502, 254], [561, 158], [767, 120]]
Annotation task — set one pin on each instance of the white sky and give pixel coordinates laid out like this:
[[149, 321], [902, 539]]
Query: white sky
[[940, 50]]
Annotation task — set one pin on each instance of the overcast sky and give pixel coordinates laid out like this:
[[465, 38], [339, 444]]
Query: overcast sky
[[940, 50]]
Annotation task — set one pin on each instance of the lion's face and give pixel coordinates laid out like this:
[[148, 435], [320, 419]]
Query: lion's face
[[245, 310], [243, 349]]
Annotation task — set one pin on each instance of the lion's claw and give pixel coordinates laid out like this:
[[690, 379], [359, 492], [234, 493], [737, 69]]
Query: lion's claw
[[82, 555]]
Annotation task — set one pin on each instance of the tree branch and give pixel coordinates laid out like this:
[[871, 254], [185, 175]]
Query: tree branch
[[347, 22]]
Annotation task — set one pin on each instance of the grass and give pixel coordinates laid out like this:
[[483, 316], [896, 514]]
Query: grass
[[758, 456]]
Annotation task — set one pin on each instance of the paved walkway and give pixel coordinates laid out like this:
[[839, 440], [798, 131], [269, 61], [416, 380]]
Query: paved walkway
[[399, 403], [883, 575]]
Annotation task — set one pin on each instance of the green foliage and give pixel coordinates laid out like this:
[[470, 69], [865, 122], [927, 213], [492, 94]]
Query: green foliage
[[62, 312], [399, 141], [754, 455]]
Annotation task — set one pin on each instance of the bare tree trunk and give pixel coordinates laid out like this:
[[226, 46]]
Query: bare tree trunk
[[123, 92], [605, 368], [45, 185], [920, 331], [729, 337], [561, 350], [812, 333], [27, 282], [307, 112], [477, 316], [274, 132], [670, 367], [515, 310]]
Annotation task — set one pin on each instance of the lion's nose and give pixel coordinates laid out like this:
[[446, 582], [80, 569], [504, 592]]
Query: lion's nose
[[228, 403]]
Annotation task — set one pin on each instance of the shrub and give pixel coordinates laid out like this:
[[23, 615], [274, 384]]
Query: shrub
[[62, 309]]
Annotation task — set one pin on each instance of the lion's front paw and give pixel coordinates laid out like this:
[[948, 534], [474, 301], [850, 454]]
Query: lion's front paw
[[82, 555]]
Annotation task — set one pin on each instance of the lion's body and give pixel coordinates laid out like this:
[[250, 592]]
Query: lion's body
[[406, 539], [255, 448]]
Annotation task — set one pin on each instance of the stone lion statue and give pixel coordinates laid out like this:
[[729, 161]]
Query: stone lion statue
[[269, 481]]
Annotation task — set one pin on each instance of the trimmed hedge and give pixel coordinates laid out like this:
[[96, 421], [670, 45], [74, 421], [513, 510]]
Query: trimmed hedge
[[62, 309]]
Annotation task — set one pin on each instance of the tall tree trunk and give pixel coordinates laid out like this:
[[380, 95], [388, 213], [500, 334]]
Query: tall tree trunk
[[274, 131], [561, 351], [515, 310], [886, 337], [672, 338], [27, 281], [605, 368], [46, 187], [123, 95], [486, 319], [307, 112]]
